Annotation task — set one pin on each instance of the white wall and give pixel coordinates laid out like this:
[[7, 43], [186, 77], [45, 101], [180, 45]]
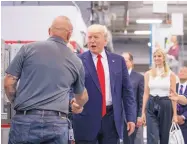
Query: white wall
[[32, 22], [159, 34]]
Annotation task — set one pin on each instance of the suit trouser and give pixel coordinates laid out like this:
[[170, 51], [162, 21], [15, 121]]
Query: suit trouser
[[108, 133], [184, 131], [159, 119], [135, 138]]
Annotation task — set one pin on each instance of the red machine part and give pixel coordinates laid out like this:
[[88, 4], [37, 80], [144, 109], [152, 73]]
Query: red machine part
[[17, 42], [5, 125]]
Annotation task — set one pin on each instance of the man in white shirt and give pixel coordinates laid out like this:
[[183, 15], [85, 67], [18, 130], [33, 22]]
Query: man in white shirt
[[108, 85]]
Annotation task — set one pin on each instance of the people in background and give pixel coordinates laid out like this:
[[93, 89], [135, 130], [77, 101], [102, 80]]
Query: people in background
[[181, 90], [173, 54], [74, 46], [46, 70], [69, 45], [108, 85], [137, 81], [160, 110]]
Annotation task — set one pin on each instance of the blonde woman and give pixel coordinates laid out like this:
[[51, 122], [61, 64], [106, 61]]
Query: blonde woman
[[158, 110]]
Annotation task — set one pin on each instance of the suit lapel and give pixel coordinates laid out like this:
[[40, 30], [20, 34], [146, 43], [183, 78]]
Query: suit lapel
[[111, 65], [131, 74], [91, 68]]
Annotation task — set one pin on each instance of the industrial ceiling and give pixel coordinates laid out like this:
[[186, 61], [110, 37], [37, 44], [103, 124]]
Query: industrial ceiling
[[121, 16]]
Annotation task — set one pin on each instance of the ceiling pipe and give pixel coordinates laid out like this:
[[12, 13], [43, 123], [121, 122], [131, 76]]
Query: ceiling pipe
[[125, 15]]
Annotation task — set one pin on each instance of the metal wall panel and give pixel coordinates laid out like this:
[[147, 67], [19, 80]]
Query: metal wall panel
[[5, 60]]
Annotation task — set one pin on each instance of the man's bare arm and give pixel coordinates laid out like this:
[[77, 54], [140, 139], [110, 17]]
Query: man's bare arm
[[10, 83], [81, 99]]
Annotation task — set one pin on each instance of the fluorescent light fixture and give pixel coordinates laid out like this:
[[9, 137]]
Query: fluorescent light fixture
[[148, 21], [142, 32], [125, 32], [149, 44]]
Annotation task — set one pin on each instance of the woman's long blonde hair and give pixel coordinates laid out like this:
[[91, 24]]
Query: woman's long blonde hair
[[166, 67]]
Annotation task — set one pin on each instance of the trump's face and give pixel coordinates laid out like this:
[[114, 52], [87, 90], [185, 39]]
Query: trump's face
[[96, 39]]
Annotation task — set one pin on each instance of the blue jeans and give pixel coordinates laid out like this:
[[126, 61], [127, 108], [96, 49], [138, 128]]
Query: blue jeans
[[38, 129]]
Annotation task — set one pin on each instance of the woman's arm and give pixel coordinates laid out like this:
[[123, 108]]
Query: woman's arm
[[145, 95], [173, 88], [181, 99]]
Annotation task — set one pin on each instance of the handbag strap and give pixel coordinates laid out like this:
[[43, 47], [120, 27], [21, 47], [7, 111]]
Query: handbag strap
[[174, 126]]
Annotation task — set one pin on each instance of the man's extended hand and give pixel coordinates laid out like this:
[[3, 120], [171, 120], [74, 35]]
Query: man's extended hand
[[139, 122], [130, 127], [76, 108], [180, 120]]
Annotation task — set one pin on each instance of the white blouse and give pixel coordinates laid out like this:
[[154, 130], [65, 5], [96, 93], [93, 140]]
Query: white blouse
[[159, 86]]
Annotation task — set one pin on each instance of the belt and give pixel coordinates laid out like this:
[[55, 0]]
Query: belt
[[156, 103], [155, 98], [42, 113]]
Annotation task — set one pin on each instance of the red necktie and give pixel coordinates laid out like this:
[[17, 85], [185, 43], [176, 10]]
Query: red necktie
[[101, 76]]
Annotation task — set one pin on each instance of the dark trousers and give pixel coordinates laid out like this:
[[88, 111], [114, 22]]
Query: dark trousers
[[108, 133], [184, 131], [38, 128], [134, 138], [159, 119]]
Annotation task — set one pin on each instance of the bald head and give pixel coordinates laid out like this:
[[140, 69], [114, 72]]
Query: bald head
[[61, 27]]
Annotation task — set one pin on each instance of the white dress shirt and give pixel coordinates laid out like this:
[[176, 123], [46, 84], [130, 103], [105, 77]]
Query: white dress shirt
[[184, 88], [129, 71], [104, 61]]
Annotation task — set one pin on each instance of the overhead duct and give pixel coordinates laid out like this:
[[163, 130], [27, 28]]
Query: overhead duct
[[126, 15], [135, 4], [103, 13]]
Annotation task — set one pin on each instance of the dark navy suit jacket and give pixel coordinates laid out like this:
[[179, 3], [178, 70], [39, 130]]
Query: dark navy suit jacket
[[183, 108], [137, 81], [87, 124]]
